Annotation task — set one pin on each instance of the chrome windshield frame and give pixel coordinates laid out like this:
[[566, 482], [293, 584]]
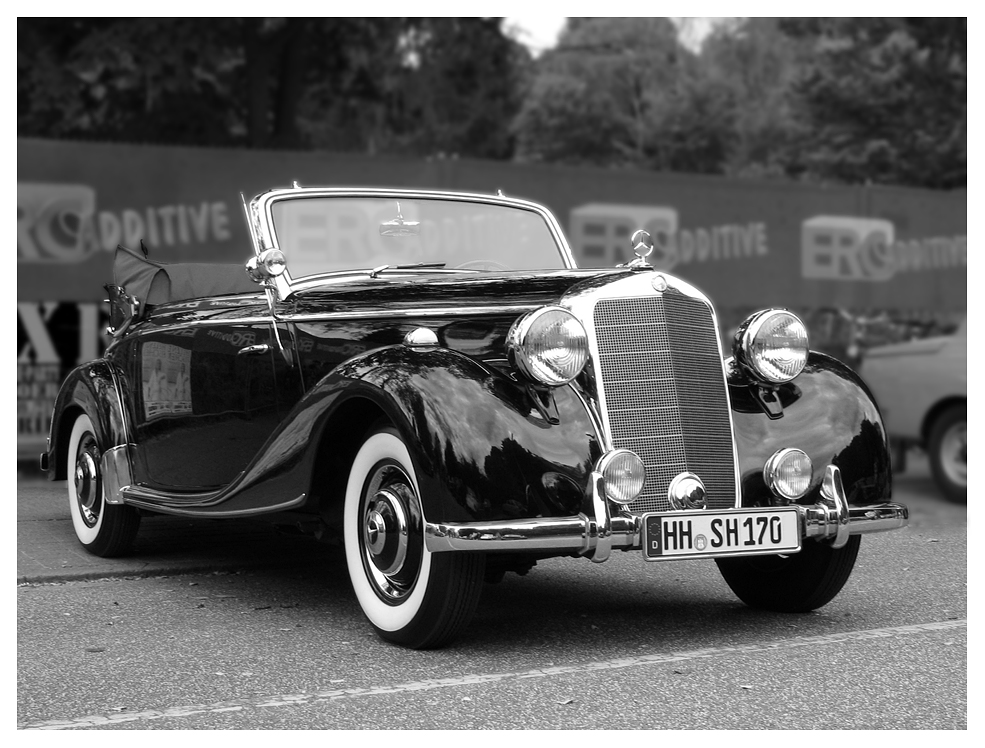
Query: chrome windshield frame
[[260, 220]]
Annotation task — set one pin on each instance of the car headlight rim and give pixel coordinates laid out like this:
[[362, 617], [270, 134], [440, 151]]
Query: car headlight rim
[[624, 474], [759, 355], [548, 346], [788, 474]]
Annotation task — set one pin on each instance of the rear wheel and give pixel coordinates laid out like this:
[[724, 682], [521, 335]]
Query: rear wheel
[[948, 451], [103, 529], [797, 583], [411, 596]]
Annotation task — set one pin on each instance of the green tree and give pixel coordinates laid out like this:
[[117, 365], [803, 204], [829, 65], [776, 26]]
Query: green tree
[[463, 90], [756, 63], [623, 92], [374, 85], [882, 100], [421, 86], [129, 79]]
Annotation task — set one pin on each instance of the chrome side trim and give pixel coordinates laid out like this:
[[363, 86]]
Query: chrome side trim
[[233, 513], [369, 314], [116, 473], [152, 498], [122, 409], [594, 415], [408, 313], [205, 323]]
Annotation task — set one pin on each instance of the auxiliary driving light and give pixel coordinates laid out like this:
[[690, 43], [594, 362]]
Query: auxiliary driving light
[[788, 473], [272, 262], [624, 474]]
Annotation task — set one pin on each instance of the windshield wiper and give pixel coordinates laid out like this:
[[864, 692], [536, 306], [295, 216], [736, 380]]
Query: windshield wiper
[[420, 265]]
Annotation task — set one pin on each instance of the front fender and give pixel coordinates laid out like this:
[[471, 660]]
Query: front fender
[[829, 413], [92, 388], [483, 449]]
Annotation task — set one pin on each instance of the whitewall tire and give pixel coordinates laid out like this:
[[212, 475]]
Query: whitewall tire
[[103, 529], [410, 595]]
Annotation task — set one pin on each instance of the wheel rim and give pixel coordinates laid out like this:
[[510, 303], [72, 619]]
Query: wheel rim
[[390, 533], [88, 482], [954, 453]]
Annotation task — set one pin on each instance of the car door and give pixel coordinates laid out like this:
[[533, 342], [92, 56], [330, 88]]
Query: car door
[[208, 400]]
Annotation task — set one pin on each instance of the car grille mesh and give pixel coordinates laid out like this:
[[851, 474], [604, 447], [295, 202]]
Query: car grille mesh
[[661, 374]]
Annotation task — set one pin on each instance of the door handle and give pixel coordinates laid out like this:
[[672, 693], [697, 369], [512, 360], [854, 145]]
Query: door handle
[[254, 350]]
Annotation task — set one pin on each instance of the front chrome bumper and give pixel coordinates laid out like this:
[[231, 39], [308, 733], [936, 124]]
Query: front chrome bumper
[[830, 519]]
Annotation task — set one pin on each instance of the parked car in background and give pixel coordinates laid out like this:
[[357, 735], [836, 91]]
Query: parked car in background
[[921, 387], [427, 379]]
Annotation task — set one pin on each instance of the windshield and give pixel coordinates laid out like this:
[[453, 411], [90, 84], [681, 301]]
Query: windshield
[[329, 234]]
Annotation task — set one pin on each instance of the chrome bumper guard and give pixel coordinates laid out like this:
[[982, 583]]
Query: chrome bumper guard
[[830, 519]]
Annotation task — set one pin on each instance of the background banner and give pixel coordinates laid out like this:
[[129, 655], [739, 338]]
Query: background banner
[[747, 244]]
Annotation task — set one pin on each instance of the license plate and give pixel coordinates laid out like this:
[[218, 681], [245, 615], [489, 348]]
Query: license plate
[[729, 532]]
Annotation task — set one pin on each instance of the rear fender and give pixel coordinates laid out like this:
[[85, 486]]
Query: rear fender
[[92, 389]]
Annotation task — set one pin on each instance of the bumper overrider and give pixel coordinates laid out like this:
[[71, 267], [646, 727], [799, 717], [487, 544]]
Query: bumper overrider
[[830, 520]]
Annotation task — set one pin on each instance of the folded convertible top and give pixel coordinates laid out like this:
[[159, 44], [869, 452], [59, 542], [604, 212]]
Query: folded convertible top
[[156, 283]]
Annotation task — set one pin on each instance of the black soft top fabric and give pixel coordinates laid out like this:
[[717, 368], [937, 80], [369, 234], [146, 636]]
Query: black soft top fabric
[[156, 283]]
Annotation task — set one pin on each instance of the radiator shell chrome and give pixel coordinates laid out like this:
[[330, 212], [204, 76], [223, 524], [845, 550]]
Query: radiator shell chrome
[[657, 382]]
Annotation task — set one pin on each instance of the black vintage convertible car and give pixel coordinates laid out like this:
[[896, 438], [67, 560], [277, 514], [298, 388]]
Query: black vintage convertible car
[[427, 379]]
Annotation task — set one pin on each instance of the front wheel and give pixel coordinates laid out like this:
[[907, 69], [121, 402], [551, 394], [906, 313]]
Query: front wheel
[[948, 451], [103, 529], [797, 583], [411, 596]]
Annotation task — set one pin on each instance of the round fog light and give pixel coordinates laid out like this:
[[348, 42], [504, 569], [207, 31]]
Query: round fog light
[[624, 475], [788, 473]]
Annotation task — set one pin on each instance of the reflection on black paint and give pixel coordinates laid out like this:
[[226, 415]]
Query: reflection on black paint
[[828, 413]]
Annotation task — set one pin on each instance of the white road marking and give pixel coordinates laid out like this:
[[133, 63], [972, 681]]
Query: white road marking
[[100, 720]]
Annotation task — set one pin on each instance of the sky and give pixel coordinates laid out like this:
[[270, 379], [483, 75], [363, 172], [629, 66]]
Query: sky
[[540, 32]]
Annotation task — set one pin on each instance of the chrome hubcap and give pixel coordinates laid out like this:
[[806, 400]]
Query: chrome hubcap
[[954, 453], [386, 533], [391, 534], [88, 486]]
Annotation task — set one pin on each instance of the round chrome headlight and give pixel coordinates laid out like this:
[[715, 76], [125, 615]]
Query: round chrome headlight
[[624, 474], [549, 345], [788, 473], [772, 345]]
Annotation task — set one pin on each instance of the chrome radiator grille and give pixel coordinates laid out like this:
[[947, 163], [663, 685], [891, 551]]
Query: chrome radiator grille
[[661, 375]]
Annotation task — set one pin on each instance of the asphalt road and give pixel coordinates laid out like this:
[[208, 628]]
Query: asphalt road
[[275, 640]]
